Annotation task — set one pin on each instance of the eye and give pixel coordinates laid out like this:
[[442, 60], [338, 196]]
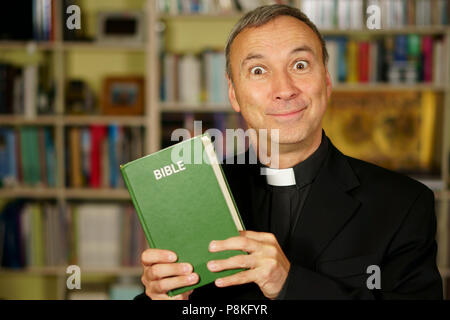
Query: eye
[[301, 65], [257, 71]]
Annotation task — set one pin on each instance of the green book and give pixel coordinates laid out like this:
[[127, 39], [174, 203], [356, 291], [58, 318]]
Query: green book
[[183, 202]]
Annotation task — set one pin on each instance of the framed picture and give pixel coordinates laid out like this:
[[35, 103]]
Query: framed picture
[[121, 27], [123, 96]]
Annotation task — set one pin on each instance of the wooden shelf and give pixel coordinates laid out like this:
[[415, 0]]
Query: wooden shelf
[[96, 194], [202, 17], [187, 107], [21, 120], [103, 119], [102, 46], [67, 193], [344, 87], [71, 120], [55, 271], [24, 45], [30, 192], [71, 45], [422, 30]]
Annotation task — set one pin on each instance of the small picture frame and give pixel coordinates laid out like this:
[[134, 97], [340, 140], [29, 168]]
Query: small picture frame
[[125, 27], [123, 95]]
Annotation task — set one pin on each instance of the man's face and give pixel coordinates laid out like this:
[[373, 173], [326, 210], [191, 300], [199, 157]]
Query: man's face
[[280, 81]]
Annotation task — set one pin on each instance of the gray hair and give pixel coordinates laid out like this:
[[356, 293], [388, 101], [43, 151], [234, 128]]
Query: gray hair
[[264, 14]]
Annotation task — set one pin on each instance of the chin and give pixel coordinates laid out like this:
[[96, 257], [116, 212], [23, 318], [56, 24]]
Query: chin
[[291, 135]]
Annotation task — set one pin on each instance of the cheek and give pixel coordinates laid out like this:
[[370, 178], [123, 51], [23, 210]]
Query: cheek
[[256, 93]]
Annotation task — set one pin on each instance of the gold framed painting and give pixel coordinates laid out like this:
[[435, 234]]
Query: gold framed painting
[[397, 130], [123, 95]]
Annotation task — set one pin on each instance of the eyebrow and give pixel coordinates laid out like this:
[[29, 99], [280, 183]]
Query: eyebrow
[[254, 56]]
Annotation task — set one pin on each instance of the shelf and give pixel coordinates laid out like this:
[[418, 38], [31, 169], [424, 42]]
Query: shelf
[[96, 194], [21, 120], [71, 45], [66, 193], [55, 271], [203, 107], [103, 119], [343, 87], [422, 30], [100, 46], [30, 192], [27, 45], [71, 120], [202, 17]]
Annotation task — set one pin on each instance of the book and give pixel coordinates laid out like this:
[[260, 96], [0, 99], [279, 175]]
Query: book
[[99, 235], [184, 205]]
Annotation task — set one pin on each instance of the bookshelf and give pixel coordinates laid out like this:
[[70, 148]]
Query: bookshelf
[[184, 38]]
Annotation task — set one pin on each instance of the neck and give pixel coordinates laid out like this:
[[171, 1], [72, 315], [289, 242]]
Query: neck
[[289, 154]]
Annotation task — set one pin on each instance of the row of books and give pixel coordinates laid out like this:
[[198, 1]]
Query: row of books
[[27, 156], [36, 234], [354, 14], [43, 20], [212, 6], [28, 20], [193, 79], [394, 59], [23, 92], [95, 153]]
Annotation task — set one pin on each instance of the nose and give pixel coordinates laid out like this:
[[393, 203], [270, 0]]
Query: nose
[[284, 88]]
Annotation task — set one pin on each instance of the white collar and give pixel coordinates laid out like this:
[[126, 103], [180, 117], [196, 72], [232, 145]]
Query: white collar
[[279, 177]]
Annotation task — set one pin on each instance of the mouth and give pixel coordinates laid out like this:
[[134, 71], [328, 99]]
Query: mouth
[[289, 114]]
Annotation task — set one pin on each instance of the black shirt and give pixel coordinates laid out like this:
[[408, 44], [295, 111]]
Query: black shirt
[[254, 198]]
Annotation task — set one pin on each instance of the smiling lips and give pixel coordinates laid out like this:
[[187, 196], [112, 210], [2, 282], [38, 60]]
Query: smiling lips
[[288, 114]]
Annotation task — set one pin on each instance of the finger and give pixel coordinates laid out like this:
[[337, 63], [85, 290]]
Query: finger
[[164, 296], [152, 256], [163, 270], [237, 279], [259, 236], [167, 284], [182, 296], [235, 262], [234, 243]]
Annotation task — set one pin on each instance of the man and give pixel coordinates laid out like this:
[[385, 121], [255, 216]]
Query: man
[[321, 220]]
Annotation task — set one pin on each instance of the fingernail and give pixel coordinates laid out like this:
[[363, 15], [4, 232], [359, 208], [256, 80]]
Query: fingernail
[[192, 277], [172, 257], [219, 282], [212, 266], [187, 268], [212, 245]]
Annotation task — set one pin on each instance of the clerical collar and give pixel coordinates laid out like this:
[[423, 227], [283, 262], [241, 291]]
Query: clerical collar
[[302, 173], [280, 177]]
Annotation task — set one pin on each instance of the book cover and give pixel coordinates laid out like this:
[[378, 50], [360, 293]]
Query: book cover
[[76, 179], [184, 205]]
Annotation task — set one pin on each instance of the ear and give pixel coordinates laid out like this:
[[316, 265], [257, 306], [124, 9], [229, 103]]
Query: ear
[[329, 84], [232, 96]]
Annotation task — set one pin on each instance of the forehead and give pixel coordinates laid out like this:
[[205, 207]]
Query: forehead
[[281, 34]]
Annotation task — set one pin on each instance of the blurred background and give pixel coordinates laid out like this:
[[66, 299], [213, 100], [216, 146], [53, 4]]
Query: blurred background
[[88, 85]]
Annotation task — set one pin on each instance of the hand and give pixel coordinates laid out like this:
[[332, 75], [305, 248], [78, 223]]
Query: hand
[[267, 264], [162, 273]]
